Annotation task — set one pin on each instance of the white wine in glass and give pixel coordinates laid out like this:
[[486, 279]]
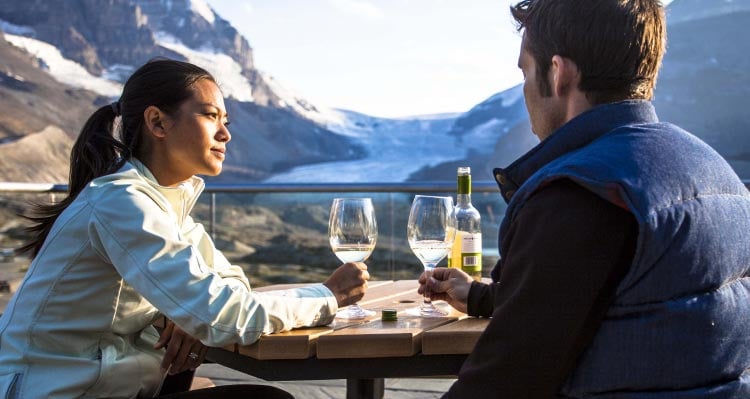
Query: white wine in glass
[[431, 231], [352, 232]]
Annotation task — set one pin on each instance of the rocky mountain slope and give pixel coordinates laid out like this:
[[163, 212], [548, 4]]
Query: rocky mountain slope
[[680, 11], [705, 83], [39, 118], [56, 48], [702, 87]]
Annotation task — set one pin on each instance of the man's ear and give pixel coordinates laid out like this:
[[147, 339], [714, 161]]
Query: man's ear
[[564, 75], [154, 119]]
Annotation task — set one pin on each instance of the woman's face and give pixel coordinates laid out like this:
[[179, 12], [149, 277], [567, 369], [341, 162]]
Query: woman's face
[[196, 136]]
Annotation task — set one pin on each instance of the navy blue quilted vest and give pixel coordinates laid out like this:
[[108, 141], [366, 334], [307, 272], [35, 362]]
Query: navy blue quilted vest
[[679, 326]]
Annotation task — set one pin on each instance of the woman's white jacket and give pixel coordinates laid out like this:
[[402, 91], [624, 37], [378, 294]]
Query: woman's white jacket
[[123, 253]]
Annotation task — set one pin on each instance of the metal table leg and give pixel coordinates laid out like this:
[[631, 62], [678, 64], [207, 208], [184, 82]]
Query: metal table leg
[[357, 388]]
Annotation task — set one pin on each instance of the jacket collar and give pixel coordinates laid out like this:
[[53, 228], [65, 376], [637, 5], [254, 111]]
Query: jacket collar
[[182, 198], [577, 133]]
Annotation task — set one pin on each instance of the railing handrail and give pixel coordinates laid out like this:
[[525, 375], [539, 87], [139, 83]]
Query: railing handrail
[[406, 187], [31, 188]]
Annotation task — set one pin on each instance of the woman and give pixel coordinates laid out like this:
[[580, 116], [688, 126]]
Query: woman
[[121, 250]]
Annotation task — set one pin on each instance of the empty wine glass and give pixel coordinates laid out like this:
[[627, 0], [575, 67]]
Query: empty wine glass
[[431, 231], [352, 232]]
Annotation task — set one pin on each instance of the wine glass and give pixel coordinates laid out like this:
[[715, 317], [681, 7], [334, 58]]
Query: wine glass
[[431, 231], [352, 232]]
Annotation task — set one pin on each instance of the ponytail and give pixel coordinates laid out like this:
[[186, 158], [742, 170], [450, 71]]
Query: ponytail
[[95, 153]]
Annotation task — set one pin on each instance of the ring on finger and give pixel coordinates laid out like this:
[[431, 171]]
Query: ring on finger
[[193, 356]]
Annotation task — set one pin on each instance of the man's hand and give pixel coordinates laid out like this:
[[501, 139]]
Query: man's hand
[[183, 351], [448, 284], [348, 283]]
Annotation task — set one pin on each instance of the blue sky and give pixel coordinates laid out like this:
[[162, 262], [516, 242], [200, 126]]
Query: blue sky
[[386, 58]]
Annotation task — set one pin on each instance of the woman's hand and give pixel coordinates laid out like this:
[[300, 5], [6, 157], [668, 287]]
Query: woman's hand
[[183, 351], [348, 283]]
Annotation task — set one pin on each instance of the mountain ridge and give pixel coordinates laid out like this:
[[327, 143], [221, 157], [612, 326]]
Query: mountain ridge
[[99, 43], [278, 134], [704, 48]]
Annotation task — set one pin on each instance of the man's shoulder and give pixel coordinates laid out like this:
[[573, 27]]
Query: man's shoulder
[[564, 194]]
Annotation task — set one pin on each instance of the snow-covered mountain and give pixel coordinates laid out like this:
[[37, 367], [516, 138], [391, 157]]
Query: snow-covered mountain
[[681, 11], [62, 58], [91, 46], [703, 87]]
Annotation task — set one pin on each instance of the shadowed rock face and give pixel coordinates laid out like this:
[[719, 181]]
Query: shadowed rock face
[[31, 100], [79, 27], [100, 33]]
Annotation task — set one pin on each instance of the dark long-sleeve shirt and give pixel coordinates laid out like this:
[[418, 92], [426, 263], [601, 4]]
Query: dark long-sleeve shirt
[[563, 257]]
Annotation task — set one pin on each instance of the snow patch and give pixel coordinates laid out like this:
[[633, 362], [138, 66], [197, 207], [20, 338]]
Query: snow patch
[[12, 29], [332, 119], [64, 70], [508, 97], [227, 71], [202, 8], [484, 137], [14, 76], [118, 72]]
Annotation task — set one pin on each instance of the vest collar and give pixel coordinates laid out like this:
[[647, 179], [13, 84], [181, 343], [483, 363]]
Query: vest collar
[[577, 133]]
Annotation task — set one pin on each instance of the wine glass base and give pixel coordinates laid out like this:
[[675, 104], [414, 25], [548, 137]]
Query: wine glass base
[[427, 311], [354, 313]]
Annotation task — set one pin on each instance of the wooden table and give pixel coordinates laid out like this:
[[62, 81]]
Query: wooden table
[[363, 352]]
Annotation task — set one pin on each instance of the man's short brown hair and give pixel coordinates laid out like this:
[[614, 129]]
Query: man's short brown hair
[[617, 45]]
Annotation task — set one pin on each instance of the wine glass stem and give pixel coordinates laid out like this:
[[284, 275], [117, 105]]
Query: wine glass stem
[[428, 268]]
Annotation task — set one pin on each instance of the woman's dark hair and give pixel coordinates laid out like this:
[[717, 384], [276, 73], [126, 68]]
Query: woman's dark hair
[[617, 45], [162, 83]]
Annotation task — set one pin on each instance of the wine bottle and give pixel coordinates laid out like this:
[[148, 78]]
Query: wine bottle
[[466, 253]]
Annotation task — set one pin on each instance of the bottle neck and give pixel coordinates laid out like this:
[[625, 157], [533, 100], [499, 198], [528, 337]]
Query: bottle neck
[[463, 196], [463, 199]]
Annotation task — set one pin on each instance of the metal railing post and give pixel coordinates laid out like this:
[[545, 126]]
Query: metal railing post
[[392, 260], [212, 222]]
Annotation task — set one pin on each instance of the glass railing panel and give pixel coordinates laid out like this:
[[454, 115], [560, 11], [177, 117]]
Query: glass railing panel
[[278, 234], [283, 237]]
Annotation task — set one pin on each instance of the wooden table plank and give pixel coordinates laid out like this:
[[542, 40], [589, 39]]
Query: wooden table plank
[[305, 342], [295, 344], [405, 297], [454, 338], [379, 338], [398, 295], [378, 293], [278, 287], [301, 343]]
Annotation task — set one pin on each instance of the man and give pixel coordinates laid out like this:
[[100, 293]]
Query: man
[[625, 269]]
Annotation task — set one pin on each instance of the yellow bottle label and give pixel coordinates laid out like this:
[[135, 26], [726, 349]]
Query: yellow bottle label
[[466, 254], [454, 256]]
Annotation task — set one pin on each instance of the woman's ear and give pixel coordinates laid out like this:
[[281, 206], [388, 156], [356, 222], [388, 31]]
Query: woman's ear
[[154, 119]]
